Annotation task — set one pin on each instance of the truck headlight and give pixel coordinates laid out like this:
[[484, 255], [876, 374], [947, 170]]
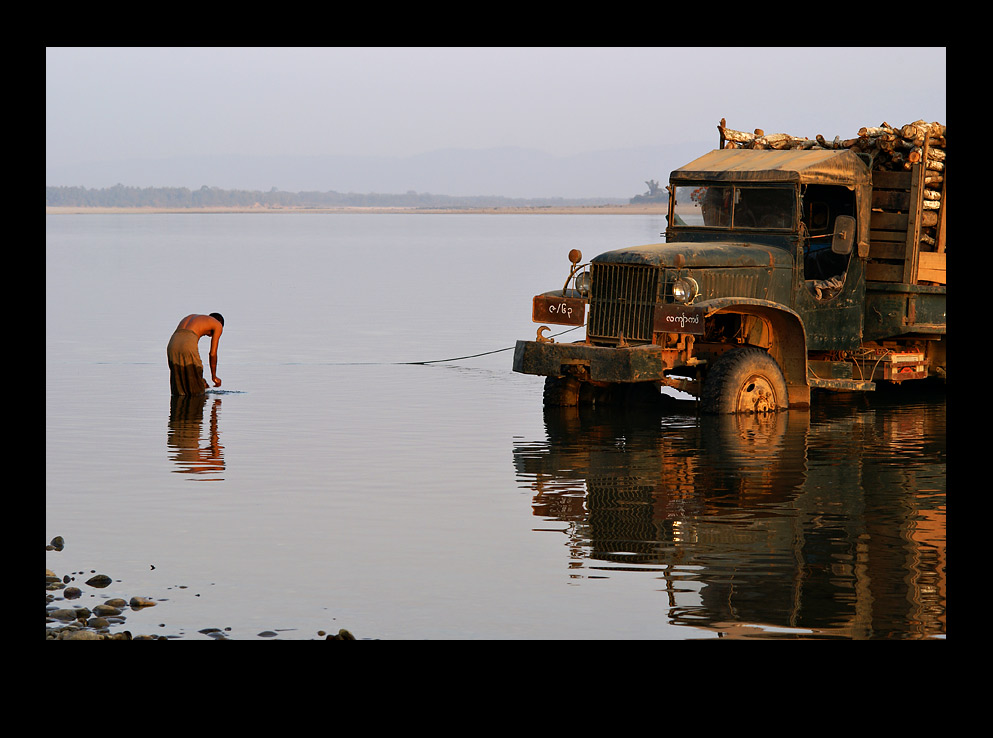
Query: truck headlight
[[685, 289], [583, 283]]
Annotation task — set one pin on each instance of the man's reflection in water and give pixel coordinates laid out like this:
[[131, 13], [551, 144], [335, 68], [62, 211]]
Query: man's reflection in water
[[191, 455]]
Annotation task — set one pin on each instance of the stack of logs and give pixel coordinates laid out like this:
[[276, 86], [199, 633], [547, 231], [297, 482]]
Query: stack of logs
[[889, 148]]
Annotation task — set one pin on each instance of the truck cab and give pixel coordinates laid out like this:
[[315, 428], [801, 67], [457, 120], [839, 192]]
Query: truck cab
[[808, 209]]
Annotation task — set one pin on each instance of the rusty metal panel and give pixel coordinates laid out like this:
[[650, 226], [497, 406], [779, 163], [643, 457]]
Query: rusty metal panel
[[899, 309], [631, 364], [842, 385], [830, 369], [558, 310], [733, 282]]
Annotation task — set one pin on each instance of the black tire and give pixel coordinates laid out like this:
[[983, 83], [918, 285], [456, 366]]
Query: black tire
[[646, 395], [561, 392], [744, 380], [571, 391]]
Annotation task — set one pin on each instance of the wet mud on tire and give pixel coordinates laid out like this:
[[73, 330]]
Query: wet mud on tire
[[744, 380]]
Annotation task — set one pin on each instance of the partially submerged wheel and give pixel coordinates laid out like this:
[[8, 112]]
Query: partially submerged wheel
[[569, 391], [561, 392], [744, 380], [641, 395]]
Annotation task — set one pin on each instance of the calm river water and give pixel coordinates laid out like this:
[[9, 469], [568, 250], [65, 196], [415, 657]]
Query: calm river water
[[333, 484]]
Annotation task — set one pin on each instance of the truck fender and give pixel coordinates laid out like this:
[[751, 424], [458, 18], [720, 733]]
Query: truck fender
[[788, 339]]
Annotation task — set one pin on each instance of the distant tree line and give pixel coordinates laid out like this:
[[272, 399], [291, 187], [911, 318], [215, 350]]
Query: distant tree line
[[121, 196]]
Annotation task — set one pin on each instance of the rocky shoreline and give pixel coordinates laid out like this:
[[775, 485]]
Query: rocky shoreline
[[66, 622]]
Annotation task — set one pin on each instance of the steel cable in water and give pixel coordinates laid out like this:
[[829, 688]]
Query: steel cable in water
[[473, 356]]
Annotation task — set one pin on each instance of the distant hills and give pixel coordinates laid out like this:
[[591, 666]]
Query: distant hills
[[602, 176]]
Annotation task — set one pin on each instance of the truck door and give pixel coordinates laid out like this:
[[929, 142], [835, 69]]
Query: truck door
[[829, 291]]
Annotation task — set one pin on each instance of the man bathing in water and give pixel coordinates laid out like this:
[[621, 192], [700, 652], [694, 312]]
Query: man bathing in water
[[185, 367]]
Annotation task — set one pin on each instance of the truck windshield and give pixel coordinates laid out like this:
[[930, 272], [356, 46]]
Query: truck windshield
[[734, 206]]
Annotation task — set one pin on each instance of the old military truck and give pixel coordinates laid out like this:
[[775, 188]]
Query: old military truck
[[782, 271]]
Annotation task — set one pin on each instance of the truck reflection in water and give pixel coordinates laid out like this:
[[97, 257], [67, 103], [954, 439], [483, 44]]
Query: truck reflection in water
[[821, 523], [193, 454]]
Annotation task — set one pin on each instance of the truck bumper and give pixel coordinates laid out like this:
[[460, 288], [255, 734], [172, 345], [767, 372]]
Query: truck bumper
[[629, 364]]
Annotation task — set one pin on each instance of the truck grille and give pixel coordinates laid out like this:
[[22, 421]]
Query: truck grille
[[622, 301]]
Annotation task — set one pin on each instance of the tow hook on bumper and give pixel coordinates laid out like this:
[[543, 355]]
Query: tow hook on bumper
[[541, 338]]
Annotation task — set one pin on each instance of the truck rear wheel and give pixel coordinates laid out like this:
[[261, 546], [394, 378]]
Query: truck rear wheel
[[744, 380]]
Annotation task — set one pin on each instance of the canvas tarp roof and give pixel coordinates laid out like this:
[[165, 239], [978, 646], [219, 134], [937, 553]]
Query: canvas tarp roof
[[811, 166]]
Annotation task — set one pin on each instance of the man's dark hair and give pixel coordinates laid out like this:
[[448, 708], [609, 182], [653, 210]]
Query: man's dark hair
[[218, 317]]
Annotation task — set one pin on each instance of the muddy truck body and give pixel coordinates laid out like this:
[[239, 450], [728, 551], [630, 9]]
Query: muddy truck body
[[781, 272]]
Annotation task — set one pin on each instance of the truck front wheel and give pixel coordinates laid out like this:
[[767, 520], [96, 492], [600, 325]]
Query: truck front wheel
[[561, 392], [744, 380], [570, 391]]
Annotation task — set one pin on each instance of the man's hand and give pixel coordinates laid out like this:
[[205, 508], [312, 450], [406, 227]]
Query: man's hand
[[217, 381]]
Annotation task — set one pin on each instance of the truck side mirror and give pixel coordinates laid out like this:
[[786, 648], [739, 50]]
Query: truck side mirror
[[844, 235]]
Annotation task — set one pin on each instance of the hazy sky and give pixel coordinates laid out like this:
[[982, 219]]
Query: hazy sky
[[107, 104]]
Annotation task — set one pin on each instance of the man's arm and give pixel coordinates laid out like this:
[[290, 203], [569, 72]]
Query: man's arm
[[215, 338]]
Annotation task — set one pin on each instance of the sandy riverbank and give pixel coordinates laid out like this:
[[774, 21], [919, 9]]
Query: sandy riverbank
[[659, 209]]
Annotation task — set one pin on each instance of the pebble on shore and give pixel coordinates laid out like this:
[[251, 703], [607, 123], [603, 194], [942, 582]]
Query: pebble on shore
[[67, 623]]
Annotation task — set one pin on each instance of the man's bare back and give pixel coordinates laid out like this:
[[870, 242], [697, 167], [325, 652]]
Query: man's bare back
[[200, 324]]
